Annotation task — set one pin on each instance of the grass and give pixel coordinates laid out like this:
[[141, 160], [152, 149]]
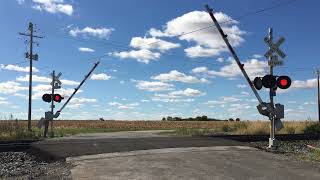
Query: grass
[[17, 129]]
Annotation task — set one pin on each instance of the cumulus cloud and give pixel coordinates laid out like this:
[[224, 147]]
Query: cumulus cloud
[[11, 87], [186, 95], [101, 76], [177, 76], [142, 55], [82, 100], [85, 49], [154, 86], [53, 6], [208, 41], [12, 67], [102, 33], [223, 100], [307, 84], [152, 43], [241, 86], [20, 2], [124, 106], [253, 68]]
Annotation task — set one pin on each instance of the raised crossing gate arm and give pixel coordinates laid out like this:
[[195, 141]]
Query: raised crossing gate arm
[[76, 89], [224, 37]]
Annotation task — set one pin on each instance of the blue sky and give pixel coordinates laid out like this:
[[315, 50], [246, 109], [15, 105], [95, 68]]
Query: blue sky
[[148, 68]]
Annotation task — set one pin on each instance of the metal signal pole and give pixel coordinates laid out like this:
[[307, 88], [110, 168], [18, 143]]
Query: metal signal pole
[[318, 72], [31, 57], [271, 93]]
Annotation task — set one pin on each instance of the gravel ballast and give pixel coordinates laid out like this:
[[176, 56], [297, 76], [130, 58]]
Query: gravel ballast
[[21, 165], [295, 149]]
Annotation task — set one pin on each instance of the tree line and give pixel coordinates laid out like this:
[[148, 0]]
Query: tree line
[[198, 118]]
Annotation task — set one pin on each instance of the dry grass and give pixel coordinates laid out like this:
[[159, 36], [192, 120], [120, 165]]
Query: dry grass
[[17, 129]]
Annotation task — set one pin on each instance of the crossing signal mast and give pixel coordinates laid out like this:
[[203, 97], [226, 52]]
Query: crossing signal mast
[[275, 112], [51, 98]]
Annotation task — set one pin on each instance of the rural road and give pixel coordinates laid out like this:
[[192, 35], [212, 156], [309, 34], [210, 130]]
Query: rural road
[[147, 155]]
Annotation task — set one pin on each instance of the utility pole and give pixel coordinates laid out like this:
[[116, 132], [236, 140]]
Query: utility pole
[[318, 72], [31, 57]]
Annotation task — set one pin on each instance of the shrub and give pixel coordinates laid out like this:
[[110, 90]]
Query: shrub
[[238, 119], [230, 119], [312, 128]]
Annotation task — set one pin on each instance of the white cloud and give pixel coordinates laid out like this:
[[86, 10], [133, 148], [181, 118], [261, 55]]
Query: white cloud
[[82, 100], [11, 87], [241, 86], [4, 102], [175, 75], [142, 55], [36, 78], [53, 6], [178, 96], [101, 76], [257, 56], [223, 100], [253, 68], [208, 41], [307, 84], [220, 60], [152, 43], [17, 68], [144, 100], [94, 32], [114, 104], [20, 2], [245, 93], [85, 49], [124, 106], [154, 86], [200, 51], [188, 92]]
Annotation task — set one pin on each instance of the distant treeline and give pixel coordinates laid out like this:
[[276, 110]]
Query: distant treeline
[[198, 118]]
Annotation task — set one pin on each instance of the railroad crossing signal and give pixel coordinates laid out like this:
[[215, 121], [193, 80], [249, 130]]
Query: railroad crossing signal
[[274, 47], [270, 81], [48, 98]]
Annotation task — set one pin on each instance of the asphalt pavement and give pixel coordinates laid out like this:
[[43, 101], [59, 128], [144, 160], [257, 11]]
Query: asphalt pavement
[[150, 155]]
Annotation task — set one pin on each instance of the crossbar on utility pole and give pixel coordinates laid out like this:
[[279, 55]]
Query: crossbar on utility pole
[[31, 57]]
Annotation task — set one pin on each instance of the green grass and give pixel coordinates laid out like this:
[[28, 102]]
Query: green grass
[[314, 156]]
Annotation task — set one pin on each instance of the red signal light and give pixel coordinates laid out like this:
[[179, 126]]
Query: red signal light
[[283, 82], [57, 98]]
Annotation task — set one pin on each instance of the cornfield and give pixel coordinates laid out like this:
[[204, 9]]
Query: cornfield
[[17, 129]]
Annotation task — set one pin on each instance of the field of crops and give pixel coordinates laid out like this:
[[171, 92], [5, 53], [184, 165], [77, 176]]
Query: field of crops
[[17, 129]]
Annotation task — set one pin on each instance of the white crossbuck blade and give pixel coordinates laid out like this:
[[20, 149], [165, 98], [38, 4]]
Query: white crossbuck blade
[[274, 47]]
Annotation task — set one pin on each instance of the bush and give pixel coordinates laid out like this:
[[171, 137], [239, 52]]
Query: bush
[[238, 119], [312, 129], [230, 119]]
